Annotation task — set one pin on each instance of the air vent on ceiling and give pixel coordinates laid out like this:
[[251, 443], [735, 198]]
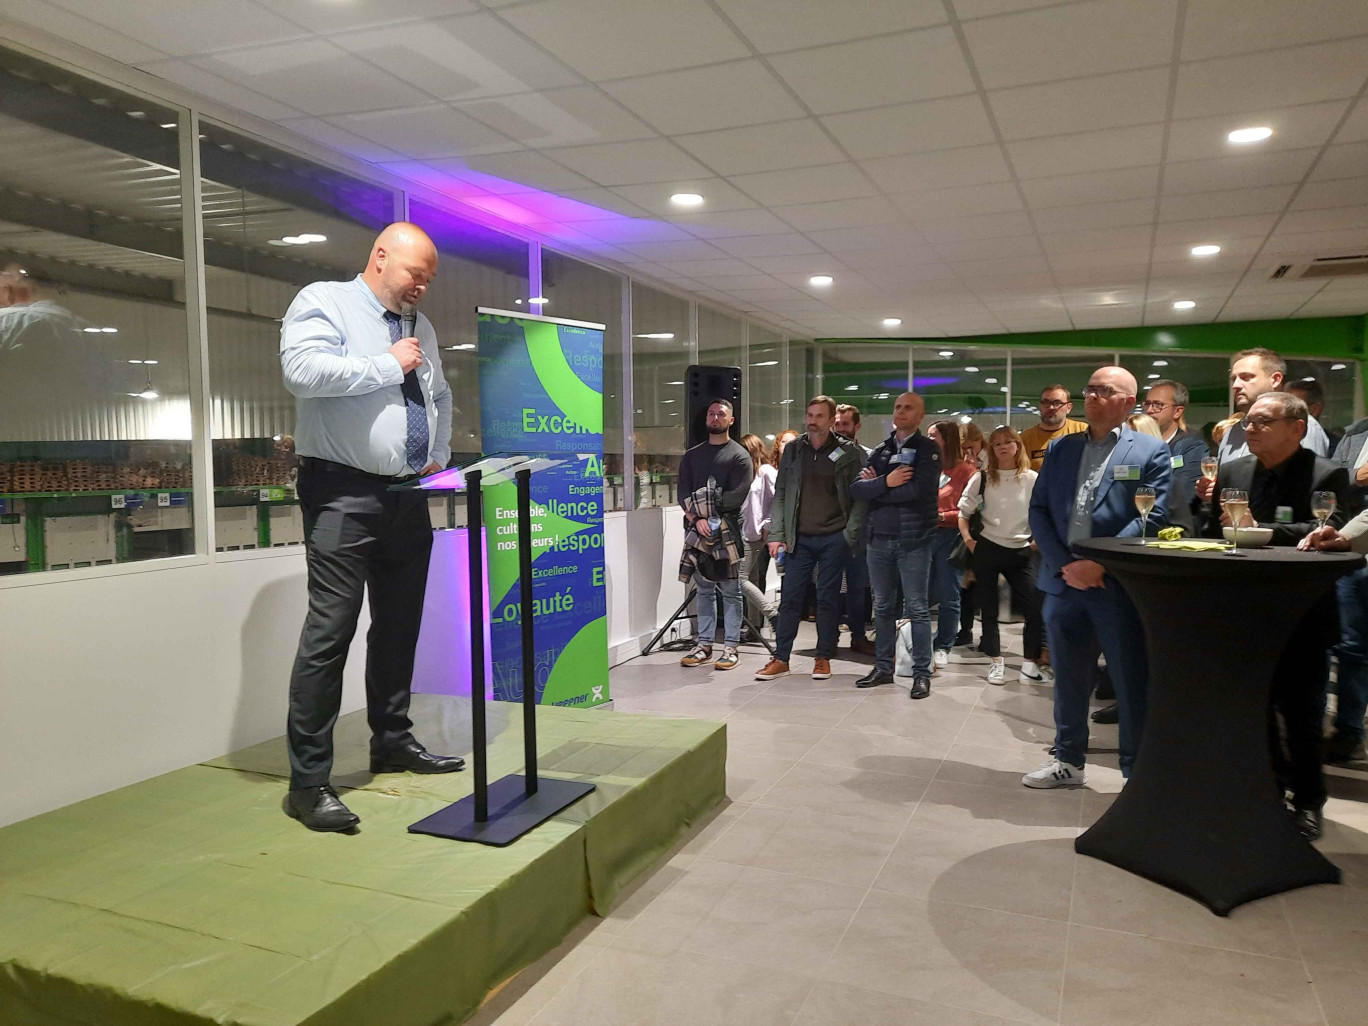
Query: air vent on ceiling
[[1324, 267]]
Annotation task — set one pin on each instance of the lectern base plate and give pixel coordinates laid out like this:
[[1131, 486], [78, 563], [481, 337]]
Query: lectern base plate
[[512, 811]]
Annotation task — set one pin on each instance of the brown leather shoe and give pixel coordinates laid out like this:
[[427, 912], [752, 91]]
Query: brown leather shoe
[[821, 669], [773, 669]]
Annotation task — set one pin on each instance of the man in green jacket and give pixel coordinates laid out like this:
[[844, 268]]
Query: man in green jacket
[[815, 524]]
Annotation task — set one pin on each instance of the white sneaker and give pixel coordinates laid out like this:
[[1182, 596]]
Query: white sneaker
[[941, 657], [1035, 673], [997, 671], [1056, 774]]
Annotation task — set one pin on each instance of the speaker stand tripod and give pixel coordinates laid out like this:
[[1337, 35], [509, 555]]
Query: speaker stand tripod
[[679, 614]]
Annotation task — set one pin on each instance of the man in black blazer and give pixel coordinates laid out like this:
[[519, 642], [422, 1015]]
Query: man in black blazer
[[1280, 477]]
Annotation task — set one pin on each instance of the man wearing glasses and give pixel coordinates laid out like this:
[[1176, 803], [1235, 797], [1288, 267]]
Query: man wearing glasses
[[1055, 406], [1279, 478], [1086, 489], [1166, 401]]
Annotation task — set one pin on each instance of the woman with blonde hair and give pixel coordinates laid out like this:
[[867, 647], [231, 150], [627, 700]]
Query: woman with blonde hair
[[755, 519], [1145, 424], [1003, 493], [945, 583]]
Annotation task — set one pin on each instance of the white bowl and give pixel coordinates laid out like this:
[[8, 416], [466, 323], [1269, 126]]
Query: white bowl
[[1249, 537]]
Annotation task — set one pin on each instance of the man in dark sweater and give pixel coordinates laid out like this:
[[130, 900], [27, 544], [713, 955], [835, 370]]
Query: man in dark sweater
[[1279, 477], [901, 484], [721, 464]]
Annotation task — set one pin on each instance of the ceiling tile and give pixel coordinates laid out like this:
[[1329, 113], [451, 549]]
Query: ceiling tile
[[1217, 28], [853, 240], [874, 72], [796, 263], [805, 185], [852, 213], [630, 163], [1082, 240], [529, 169], [315, 76], [424, 132], [1243, 172], [1233, 227], [1347, 161], [715, 268], [82, 31], [724, 224], [705, 99], [997, 197], [1100, 277], [912, 127], [768, 245], [1293, 128], [1355, 128], [772, 147], [461, 58], [1273, 80], [970, 165], [343, 141], [1132, 257], [207, 84], [1086, 39], [987, 248], [1092, 187], [574, 206], [1095, 215], [774, 27], [215, 24], [624, 231], [646, 35], [719, 193], [355, 14], [1324, 220], [559, 117], [1103, 150], [1232, 203], [895, 257], [1341, 192], [967, 9], [1099, 101]]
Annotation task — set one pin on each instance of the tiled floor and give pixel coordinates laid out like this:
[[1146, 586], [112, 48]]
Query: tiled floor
[[879, 862]]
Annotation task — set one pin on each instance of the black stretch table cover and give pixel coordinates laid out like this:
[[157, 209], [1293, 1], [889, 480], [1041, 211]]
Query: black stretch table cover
[[1201, 812]]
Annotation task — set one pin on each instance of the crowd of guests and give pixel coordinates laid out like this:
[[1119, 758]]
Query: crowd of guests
[[936, 516]]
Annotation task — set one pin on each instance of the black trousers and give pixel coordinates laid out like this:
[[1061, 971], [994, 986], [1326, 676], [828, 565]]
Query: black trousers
[[1014, 565], [1300, 681], [359, 537]]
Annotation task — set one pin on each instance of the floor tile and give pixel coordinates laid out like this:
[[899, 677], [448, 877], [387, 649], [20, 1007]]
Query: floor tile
[[1343, 995], [802, 710], [855, 749], [819, 845], [849, 792], [659, 925], [1330, 924], [838, 1004], [750, 776]]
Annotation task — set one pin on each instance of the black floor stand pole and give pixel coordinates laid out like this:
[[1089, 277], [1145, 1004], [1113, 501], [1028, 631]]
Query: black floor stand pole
[[475, 534], [678, 614], [529, 668]]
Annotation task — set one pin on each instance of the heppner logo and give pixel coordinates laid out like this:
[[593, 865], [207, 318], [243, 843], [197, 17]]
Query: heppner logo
[[542, 423]]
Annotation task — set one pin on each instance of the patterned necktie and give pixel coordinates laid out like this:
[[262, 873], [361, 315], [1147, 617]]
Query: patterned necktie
[[416, 446]]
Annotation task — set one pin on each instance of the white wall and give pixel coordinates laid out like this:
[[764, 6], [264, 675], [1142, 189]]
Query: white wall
[[110, 680]]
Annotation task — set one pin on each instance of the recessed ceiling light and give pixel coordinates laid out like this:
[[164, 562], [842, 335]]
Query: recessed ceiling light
[[1151, 377], [947, 352], [109, 331], [785, 402], [769, 438], [971, 370], [966, 420], [169, 124], [1338, 366], [137, 113], [674, 382], [852, 388], [1184, 304], [687, 199], [654, 334], [766, 363], [1209, 250], [1003, 388], [666, 402], [942, 411], [1159, 363], [1308, 379], [539, 300], [990, 381], [1250, 135], [891, 322], [821, 279]]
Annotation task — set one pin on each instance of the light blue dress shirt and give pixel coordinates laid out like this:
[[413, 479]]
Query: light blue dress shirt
[[1091, 469], [334, 354]]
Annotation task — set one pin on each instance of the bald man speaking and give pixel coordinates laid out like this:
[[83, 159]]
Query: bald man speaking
[[1086, 489], [372, 410]]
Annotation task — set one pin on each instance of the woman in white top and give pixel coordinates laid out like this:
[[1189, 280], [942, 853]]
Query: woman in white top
[[755, 519], [1004, 547]]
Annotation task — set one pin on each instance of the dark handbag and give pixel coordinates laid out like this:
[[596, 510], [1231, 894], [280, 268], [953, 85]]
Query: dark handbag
[[960, 556]]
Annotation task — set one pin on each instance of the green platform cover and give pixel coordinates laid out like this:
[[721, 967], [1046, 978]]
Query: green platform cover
[[191, 898]]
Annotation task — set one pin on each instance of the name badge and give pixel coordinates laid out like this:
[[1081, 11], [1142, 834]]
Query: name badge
[[1121, 472], [835, 454], [904, 459], [1176, 462], [1283, 515], [944, 480]]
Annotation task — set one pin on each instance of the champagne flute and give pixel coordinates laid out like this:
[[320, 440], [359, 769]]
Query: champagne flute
[[1235, 502], [1144, 502], [1322, 506], [1210, 465]]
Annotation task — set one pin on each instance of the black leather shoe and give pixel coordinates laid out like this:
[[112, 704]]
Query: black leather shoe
[[964, 639], [873, 679], [319, 808], [414, 758], [1341, 748], [921, 687], [1107, 714], [1309, 822]]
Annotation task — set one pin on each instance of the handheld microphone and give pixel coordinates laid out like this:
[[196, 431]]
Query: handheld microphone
[[408, 320]]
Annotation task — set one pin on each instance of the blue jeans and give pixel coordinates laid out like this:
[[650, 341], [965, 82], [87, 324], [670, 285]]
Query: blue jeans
[[1352, 685], [1077, 624], [707, 610], [945, 587], [890, 562], [828, 553]]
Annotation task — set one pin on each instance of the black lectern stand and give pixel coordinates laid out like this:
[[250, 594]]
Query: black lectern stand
[[501, 812]]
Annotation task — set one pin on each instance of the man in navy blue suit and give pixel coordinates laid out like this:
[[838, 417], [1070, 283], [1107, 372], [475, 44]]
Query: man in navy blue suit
[[1086, 489]]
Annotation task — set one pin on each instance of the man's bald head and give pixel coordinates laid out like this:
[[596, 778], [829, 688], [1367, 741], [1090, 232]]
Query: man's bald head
[[909, 409], [1109, 398], [401, 265]]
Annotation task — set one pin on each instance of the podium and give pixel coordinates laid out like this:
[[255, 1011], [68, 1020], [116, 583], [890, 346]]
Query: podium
[[498, 813]]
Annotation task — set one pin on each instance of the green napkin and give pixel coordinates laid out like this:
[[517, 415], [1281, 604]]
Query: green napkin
[[1189, 544]]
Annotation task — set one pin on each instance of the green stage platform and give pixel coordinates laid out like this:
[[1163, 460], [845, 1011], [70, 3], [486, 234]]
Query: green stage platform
[[191, 898]]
